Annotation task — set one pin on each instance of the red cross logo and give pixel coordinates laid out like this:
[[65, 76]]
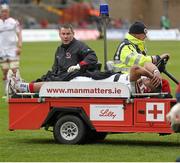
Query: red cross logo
[[155, 112]]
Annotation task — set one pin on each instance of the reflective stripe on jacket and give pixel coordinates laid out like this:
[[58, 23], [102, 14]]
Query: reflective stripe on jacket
[[130, 52]]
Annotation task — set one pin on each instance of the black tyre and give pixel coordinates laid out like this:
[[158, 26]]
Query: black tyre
[[100, 135], [69, 129], [94, 136]]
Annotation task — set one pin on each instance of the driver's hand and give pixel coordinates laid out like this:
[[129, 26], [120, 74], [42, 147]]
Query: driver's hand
[[165, 55]]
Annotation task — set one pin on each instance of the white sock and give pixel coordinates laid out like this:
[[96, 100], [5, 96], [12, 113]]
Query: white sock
[[18, 76], [22, 87]]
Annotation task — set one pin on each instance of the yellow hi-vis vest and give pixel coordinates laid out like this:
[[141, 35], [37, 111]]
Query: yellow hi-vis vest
[[130, 52]]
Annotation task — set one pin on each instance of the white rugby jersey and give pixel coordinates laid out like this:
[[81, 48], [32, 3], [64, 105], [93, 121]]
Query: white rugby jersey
[[8, 36], [122, 78]]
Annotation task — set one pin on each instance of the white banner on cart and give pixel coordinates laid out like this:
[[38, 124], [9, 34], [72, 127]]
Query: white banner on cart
[[106, 112], [84, 89]]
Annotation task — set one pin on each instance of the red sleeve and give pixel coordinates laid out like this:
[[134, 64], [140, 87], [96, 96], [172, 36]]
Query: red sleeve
[[82, 63]]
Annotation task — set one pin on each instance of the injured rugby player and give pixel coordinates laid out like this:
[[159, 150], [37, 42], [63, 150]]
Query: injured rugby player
[[139, 80]]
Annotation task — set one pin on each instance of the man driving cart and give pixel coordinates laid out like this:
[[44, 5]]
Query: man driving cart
[[131, 51]]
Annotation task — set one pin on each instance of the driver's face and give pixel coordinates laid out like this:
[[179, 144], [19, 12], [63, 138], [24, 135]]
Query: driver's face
[[141, 36]]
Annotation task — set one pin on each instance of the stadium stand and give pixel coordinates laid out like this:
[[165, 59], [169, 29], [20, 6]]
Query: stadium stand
[[43, 13]]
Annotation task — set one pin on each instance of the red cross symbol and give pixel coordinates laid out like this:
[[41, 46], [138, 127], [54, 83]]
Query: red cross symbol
[[155, 112]]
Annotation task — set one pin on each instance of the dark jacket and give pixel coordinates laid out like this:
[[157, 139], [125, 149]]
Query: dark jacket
[[70, 55]]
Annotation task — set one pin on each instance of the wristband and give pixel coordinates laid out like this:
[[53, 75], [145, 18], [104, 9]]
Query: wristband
[[155, 71]]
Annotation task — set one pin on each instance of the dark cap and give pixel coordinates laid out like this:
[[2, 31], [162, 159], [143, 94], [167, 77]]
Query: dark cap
[[138, 28]]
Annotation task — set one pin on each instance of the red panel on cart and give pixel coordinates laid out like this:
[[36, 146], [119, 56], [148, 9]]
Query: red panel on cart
[[27, 113], [151, 112]]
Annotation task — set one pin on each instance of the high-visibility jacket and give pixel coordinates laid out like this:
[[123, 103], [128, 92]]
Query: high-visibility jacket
[[130, 52]]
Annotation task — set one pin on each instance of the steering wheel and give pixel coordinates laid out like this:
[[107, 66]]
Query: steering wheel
[[161, 64]]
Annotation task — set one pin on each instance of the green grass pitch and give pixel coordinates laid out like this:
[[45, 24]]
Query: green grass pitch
[[39, 145]]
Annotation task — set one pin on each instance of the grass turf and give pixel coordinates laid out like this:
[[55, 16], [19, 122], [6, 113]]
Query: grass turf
[[39, 145]]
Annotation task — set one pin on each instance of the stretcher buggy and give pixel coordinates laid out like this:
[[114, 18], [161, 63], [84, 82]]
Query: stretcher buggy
[[80, 112]]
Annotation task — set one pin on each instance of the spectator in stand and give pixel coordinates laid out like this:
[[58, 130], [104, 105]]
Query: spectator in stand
[[44, 23], [165, 22], [116, 23], [93, 13], [10, 42], [37, 1], [27, 1], [63, 2]]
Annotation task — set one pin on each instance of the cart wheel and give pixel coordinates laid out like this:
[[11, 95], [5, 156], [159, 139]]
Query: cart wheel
[[69, 129], [101, 135], [94, 136]]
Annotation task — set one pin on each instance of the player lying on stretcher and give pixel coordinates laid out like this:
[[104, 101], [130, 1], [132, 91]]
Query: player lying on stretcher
[[140, 80]]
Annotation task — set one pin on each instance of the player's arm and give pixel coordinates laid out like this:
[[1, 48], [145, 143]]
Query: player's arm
[[88, 59], [136, 72], [19, 38], [19, 43]]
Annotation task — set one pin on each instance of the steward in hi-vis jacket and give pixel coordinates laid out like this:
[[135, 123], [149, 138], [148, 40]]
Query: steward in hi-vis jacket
[[132, 51]]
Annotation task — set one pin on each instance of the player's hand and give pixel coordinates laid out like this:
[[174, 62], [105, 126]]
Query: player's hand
[[18, 51], [155, 81], [157, 73], [73, 68]]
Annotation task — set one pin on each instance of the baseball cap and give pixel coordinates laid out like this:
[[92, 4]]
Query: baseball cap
[[4, 7], [138, 28]]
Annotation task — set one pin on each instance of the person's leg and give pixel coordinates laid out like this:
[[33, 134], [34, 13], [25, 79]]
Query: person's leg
[[18, 86], [29, 87], [4, 67], [14, 79], [14, 66], [23, 87]]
